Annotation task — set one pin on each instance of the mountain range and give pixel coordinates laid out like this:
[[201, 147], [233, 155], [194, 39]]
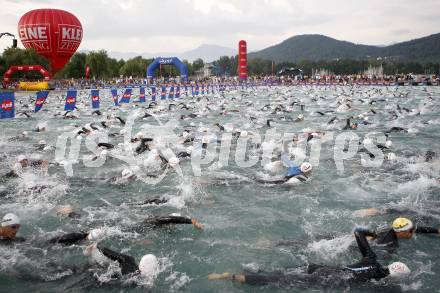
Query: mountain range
[[313, 48], [206, 52], [319, 47]]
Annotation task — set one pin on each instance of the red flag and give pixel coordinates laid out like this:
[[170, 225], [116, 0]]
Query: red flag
[[87, 71]]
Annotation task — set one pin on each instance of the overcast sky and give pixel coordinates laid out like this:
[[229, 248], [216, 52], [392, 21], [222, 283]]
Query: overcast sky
[[180, 25]]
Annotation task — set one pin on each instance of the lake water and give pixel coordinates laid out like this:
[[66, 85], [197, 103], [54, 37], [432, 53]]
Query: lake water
[[244, 221]]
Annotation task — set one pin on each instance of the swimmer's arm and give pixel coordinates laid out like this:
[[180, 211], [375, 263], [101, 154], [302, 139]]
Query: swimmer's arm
[[177, 220], [227, 276], [113, 255], [362, 242], [68, 239], [427, 230], [363, 213], [126, 262], [10, 174]]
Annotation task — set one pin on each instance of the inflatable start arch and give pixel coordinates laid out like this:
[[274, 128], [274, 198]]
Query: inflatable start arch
[[17, 68], [167, 61]]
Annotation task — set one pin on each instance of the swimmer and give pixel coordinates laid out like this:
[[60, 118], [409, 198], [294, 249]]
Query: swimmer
[[144, 145], [162, 221], [43, 146], [300, 118], [68, 211], [402, 228], [10, 225], [349, 126], [368, 268], [94, 235], [22, 162], [21, 137], [153, 201], [148, 265], [294, 173], [396, 129], [85, 277]]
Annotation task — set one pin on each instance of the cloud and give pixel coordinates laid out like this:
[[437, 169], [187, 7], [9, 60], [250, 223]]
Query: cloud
[[179, 25]]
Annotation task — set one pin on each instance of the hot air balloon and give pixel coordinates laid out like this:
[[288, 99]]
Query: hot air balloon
[[53, 33]]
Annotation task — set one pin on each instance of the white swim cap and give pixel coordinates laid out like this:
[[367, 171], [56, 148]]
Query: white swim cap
[[300, 116], [388, 143], [139, 135], [127, 173], [10, 219], [398, 269], [367, 140], [103, 153], [25, 133], [391, 156], [205, 139], [21, 158], [174, 161], [306, 167], [96, 235], [243, 133], [149, 266], [175, 215], [17, 167]]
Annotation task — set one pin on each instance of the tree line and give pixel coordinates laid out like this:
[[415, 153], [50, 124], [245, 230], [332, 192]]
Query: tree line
[[102, 66]]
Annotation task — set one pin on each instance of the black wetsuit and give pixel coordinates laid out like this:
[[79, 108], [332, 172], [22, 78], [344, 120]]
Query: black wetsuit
[[84, 278], [9, 175], [143, 146], [327, 276], [8, 241], [282, 180], [69, 239], [156, 200], [126, 262], [156, 222], [389, 238], [167, 220]]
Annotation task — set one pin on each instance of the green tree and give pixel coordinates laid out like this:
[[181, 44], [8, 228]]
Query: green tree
[[197, 64], [99, 64], [115, 66], [75, 68], [17, 56], [135, 67]]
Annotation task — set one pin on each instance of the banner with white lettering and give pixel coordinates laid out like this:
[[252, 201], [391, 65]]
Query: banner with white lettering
[[163, 93], [115, 97], [153, 93], [126, 96], [7, 103], [171, 93], [41, 99], [70, 100], [142, 94], [95, 98]]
